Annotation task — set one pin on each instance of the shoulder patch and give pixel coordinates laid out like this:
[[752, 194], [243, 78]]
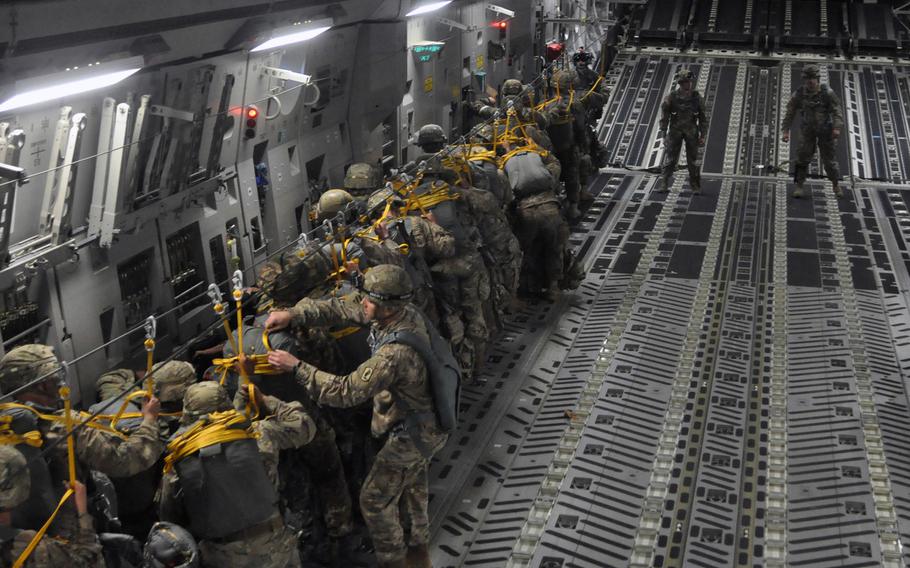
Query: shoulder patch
[[367, 374]]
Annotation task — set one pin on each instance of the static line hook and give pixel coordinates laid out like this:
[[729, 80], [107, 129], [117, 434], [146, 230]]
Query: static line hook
[[303, 240], [237, 280], [151, 327], [214, 293]]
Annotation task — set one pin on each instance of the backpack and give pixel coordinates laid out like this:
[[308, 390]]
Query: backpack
[[443, 371]]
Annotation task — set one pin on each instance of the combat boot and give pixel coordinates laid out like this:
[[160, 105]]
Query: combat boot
[[838, 192], [419, 557], [551, 294], [585, 199], [798, 192], [663, 186], [572, 213]]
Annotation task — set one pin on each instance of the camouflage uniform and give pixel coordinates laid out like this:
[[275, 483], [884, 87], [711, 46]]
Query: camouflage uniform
[[462, 283], [80, 551], [501, 249], [426, 243], [268, 543], [136, 493], [398, 477], [568, 133], [682, 119], [593, 92], [320, 456], [821, 113]]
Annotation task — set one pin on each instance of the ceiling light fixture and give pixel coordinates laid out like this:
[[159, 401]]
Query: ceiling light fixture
[[295, 34], [61, 85], [427, 7]]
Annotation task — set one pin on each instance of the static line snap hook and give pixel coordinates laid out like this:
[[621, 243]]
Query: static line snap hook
[[64, 373], [214, 293], [303, 240], [330, 229], [151, 332], [237, 280]]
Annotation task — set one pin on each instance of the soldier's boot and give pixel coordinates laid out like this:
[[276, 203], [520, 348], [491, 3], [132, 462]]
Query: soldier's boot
[[798, 192], [551, 294], [695, 184], [585, 199], [663, 185], [419, 557], [838, 192], [572, 212]]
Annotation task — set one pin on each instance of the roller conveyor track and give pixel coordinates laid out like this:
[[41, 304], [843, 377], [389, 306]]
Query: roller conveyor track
[[728, 387]]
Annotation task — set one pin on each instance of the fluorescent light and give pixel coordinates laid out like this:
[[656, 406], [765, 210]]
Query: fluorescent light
[[291, 35], [62, 85], [429, 7]]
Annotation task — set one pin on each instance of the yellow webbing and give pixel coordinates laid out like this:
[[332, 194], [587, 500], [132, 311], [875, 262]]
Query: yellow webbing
[[71, 466], [530, 148], [436, 195], [216, 429], [261, 365], [95, 423], [345, 332], [8, 437], [594, 86]]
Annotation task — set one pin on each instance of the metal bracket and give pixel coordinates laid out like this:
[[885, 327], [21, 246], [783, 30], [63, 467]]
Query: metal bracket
[[168, 112], [286, 75], [454, 24]]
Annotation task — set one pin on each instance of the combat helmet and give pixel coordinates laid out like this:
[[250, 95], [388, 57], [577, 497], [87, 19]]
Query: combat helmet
[[26, 363], [582, 57], [811, 72], [431, 135], [331, 203], [511, 87], [15, 479], [204, 398], [684, 75], [362, 176], [564, 80], [170, 546], [172, 378], [388, 285]]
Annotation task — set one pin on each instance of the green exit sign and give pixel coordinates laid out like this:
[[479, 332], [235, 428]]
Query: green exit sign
[[427, 49]]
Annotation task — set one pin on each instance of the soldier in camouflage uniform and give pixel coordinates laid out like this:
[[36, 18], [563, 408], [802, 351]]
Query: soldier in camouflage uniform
[[80, 551], [425, 241], [136, 494], [95, 449], [822, 121], [539, 226], [462, 282], [683, 119], [245, 530], [567, 131], [396, 379]]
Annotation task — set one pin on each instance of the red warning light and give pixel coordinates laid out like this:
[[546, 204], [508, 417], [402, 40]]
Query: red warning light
[[501, 24], [252, 112]]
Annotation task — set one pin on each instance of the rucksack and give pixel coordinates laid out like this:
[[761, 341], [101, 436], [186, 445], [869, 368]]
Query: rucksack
[[443, 372]]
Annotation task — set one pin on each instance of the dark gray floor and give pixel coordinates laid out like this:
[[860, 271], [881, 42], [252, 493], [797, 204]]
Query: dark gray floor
[[640, 418]]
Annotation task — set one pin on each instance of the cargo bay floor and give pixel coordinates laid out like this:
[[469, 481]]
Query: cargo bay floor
[[728, 386]]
